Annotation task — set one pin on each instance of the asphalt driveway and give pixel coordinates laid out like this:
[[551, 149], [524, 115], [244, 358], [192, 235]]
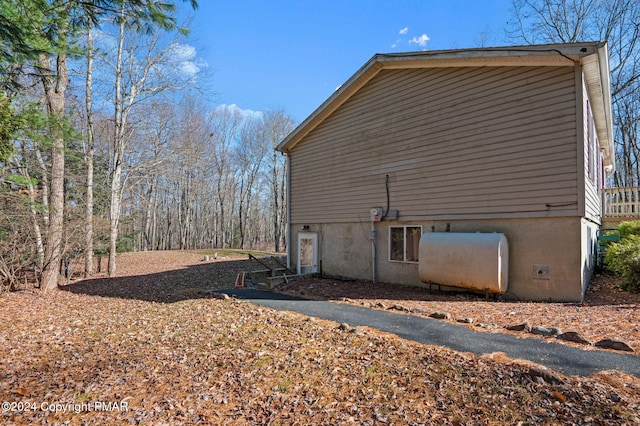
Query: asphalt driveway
[[566, 359]]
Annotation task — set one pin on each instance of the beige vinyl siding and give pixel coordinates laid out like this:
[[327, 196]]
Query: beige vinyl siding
[[455, 142], [593, 202]]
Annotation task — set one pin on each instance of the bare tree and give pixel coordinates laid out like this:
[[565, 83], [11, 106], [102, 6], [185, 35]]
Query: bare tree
[[144, 67], [158, 132], [31, 191], [16, 254], [249, 156], [89, 154], [224, 124], [201, 179], [278, 125]]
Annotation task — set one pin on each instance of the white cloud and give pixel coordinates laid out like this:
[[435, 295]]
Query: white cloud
[[185, 58], [393, 46], [182, 52], [244, 113], [188, 68], [420, 41], [403, 31]]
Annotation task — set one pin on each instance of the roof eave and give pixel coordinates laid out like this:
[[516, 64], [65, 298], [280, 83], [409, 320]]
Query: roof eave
[[342, 93], [596, 71]]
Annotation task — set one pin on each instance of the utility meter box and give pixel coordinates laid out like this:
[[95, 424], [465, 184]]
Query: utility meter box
[[376, 214]]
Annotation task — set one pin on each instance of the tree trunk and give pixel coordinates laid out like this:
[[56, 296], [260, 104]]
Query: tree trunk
[[240, 208], [118, 141], [34, 214], [154, 219], [44, 187], [88, 226], [114, 217], [147, 240], [54, 89]]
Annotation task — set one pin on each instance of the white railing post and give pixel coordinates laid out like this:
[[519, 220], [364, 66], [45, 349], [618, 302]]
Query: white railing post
[[621, 202]]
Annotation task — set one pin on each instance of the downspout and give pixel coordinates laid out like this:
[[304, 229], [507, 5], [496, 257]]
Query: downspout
[[287, 236], [372, 237]]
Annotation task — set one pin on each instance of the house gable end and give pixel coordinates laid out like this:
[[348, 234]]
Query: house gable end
[[472, 141], [593, 56]]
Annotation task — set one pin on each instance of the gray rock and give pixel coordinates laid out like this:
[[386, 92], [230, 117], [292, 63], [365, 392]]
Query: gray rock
[[344, 326], [483, 325], [466, 320], [545, 331], [525, 326], [573, 336], [614, 397], [221, 296], [546, 375], [617, 345], [441, 315], [399, 307]]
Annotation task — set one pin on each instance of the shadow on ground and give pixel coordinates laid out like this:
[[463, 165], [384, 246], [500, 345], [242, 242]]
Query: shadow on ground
[[191, 282], [202, 280]]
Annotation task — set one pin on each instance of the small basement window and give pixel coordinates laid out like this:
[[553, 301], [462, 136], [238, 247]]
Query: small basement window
[[404, 242]]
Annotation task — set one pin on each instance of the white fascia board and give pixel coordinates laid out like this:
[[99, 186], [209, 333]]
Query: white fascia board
[[596, 74]]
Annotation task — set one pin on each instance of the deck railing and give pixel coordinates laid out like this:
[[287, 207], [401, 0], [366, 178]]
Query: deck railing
[[621, 202]]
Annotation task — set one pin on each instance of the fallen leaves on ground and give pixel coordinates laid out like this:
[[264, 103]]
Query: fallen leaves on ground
[[168, 353]]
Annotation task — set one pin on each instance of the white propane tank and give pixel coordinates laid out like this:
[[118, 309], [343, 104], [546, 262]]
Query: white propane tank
[[476, 261]]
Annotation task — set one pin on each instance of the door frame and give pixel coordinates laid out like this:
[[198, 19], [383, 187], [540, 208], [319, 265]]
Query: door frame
[[313, 236]]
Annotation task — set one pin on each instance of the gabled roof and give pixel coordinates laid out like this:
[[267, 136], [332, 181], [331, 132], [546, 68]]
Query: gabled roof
[[592, 56]]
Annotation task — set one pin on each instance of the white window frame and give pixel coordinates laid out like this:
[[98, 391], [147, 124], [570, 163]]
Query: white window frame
[[404, 243]]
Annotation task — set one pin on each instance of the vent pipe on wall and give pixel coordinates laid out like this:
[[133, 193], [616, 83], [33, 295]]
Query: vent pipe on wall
[[375, 214], [372, 237]]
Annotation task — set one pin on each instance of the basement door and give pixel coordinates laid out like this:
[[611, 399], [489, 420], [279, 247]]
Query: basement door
[[307, 252]]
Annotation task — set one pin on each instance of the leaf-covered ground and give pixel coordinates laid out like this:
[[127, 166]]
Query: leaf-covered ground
[[155, 342]]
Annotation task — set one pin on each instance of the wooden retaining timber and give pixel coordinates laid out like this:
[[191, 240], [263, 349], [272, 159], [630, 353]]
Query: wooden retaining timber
[[275, 271]]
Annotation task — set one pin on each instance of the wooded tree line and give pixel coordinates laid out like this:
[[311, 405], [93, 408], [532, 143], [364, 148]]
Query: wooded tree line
[[206, 180], [106, 144]]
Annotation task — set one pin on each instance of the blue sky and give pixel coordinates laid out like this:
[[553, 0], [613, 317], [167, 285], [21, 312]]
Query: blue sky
[[292, 55]]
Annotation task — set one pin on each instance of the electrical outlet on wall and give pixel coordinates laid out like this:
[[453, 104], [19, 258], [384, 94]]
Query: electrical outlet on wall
[[540, 272]]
